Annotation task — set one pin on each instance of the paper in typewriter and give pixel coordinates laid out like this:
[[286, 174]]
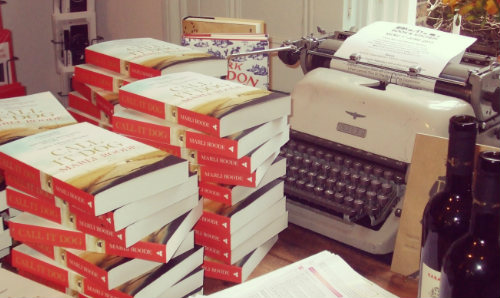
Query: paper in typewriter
[[401, 47]]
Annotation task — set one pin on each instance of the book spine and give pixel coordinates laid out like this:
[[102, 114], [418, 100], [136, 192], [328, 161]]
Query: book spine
[[214, 222], [142, 104], [74, 196], [232, 164], [81, 88], [216, 253], [44, 235], [45, 249], [140, 129], [30, 174], [21, 184], [215, 192], [207, 143], [97, 227], [83, 105], [223, 176], [222, 271], [105, 105], [138, 71], [87, 269], [94, 289], [30, 204], [93, 78], [200, 122], [207, 238], [37, 267], [101, 60], [142, 250]]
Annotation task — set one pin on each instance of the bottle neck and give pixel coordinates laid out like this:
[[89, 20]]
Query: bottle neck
[[485, 222], [458, 182]]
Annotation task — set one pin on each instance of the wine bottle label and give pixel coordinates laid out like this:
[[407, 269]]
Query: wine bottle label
[[429, 285]]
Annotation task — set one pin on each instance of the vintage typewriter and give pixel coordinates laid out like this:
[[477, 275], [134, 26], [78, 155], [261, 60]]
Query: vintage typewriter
[[352, 137]]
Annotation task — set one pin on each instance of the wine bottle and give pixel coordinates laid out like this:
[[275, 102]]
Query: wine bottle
[[447, 213], [471, 267]]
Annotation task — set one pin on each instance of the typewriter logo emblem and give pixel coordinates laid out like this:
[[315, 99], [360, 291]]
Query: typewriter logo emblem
[[355, 115]]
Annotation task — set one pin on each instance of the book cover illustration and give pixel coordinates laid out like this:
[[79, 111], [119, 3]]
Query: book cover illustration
[[250, 69], [26, 115]]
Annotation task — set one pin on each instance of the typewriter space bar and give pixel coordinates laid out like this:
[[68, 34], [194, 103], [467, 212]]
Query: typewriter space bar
[[378, 242]]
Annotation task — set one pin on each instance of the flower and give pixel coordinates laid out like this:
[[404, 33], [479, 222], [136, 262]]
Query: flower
[[475, 9]]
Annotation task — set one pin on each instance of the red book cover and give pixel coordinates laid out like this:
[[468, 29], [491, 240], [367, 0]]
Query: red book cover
[[100, 77], [78, 102], [82, 117], [207, 104], [104, 100], [230, 256], [239, 271], [51, 273], [208, 236], [225, 220]]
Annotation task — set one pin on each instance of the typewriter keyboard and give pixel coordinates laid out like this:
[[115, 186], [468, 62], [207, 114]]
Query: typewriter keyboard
[[353, 185]]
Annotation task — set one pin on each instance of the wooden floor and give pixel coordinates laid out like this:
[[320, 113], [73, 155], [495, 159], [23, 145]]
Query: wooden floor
[[296, 243]]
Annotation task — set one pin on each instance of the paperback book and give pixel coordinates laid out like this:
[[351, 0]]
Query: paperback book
[[225, 220], [207, 104], [101, 77], [31, 114], [232, 194], [206, 24], [224, 176], [245, 65], [135, 123], [149, 284], [83, 117], [231, 256], [107, 270], [99, 227], [148, 57], [80, 103], [44, 204], [158, 246], [92, 168], [213, 238], [239, 271], [103, 99]]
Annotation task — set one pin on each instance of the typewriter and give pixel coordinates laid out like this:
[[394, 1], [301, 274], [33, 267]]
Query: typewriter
[[352, 138]]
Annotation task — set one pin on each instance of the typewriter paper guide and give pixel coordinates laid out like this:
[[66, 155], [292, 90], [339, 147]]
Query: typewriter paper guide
[[341, 107]]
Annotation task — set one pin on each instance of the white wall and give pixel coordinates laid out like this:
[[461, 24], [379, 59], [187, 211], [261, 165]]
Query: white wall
[[30, 23]]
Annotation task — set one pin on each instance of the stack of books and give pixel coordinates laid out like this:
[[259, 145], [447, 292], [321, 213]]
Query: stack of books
[[22, 116], [232, 39], [231, 134], [103, 215], [112, 64]]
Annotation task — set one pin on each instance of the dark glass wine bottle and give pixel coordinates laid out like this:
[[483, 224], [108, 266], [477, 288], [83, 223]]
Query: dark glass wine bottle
[[446, 216], [471, 267]]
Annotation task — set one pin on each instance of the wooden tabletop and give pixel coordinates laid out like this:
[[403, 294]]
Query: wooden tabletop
[[296, 243]]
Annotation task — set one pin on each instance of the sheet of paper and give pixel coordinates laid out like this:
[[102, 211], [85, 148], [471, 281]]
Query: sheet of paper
[[321, 275], [401, 46]]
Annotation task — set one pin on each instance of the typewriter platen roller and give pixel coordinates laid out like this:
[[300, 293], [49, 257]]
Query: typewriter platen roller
[[352, 138]]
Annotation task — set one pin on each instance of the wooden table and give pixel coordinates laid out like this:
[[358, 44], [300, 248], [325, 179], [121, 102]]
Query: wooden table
[[296, 243]]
